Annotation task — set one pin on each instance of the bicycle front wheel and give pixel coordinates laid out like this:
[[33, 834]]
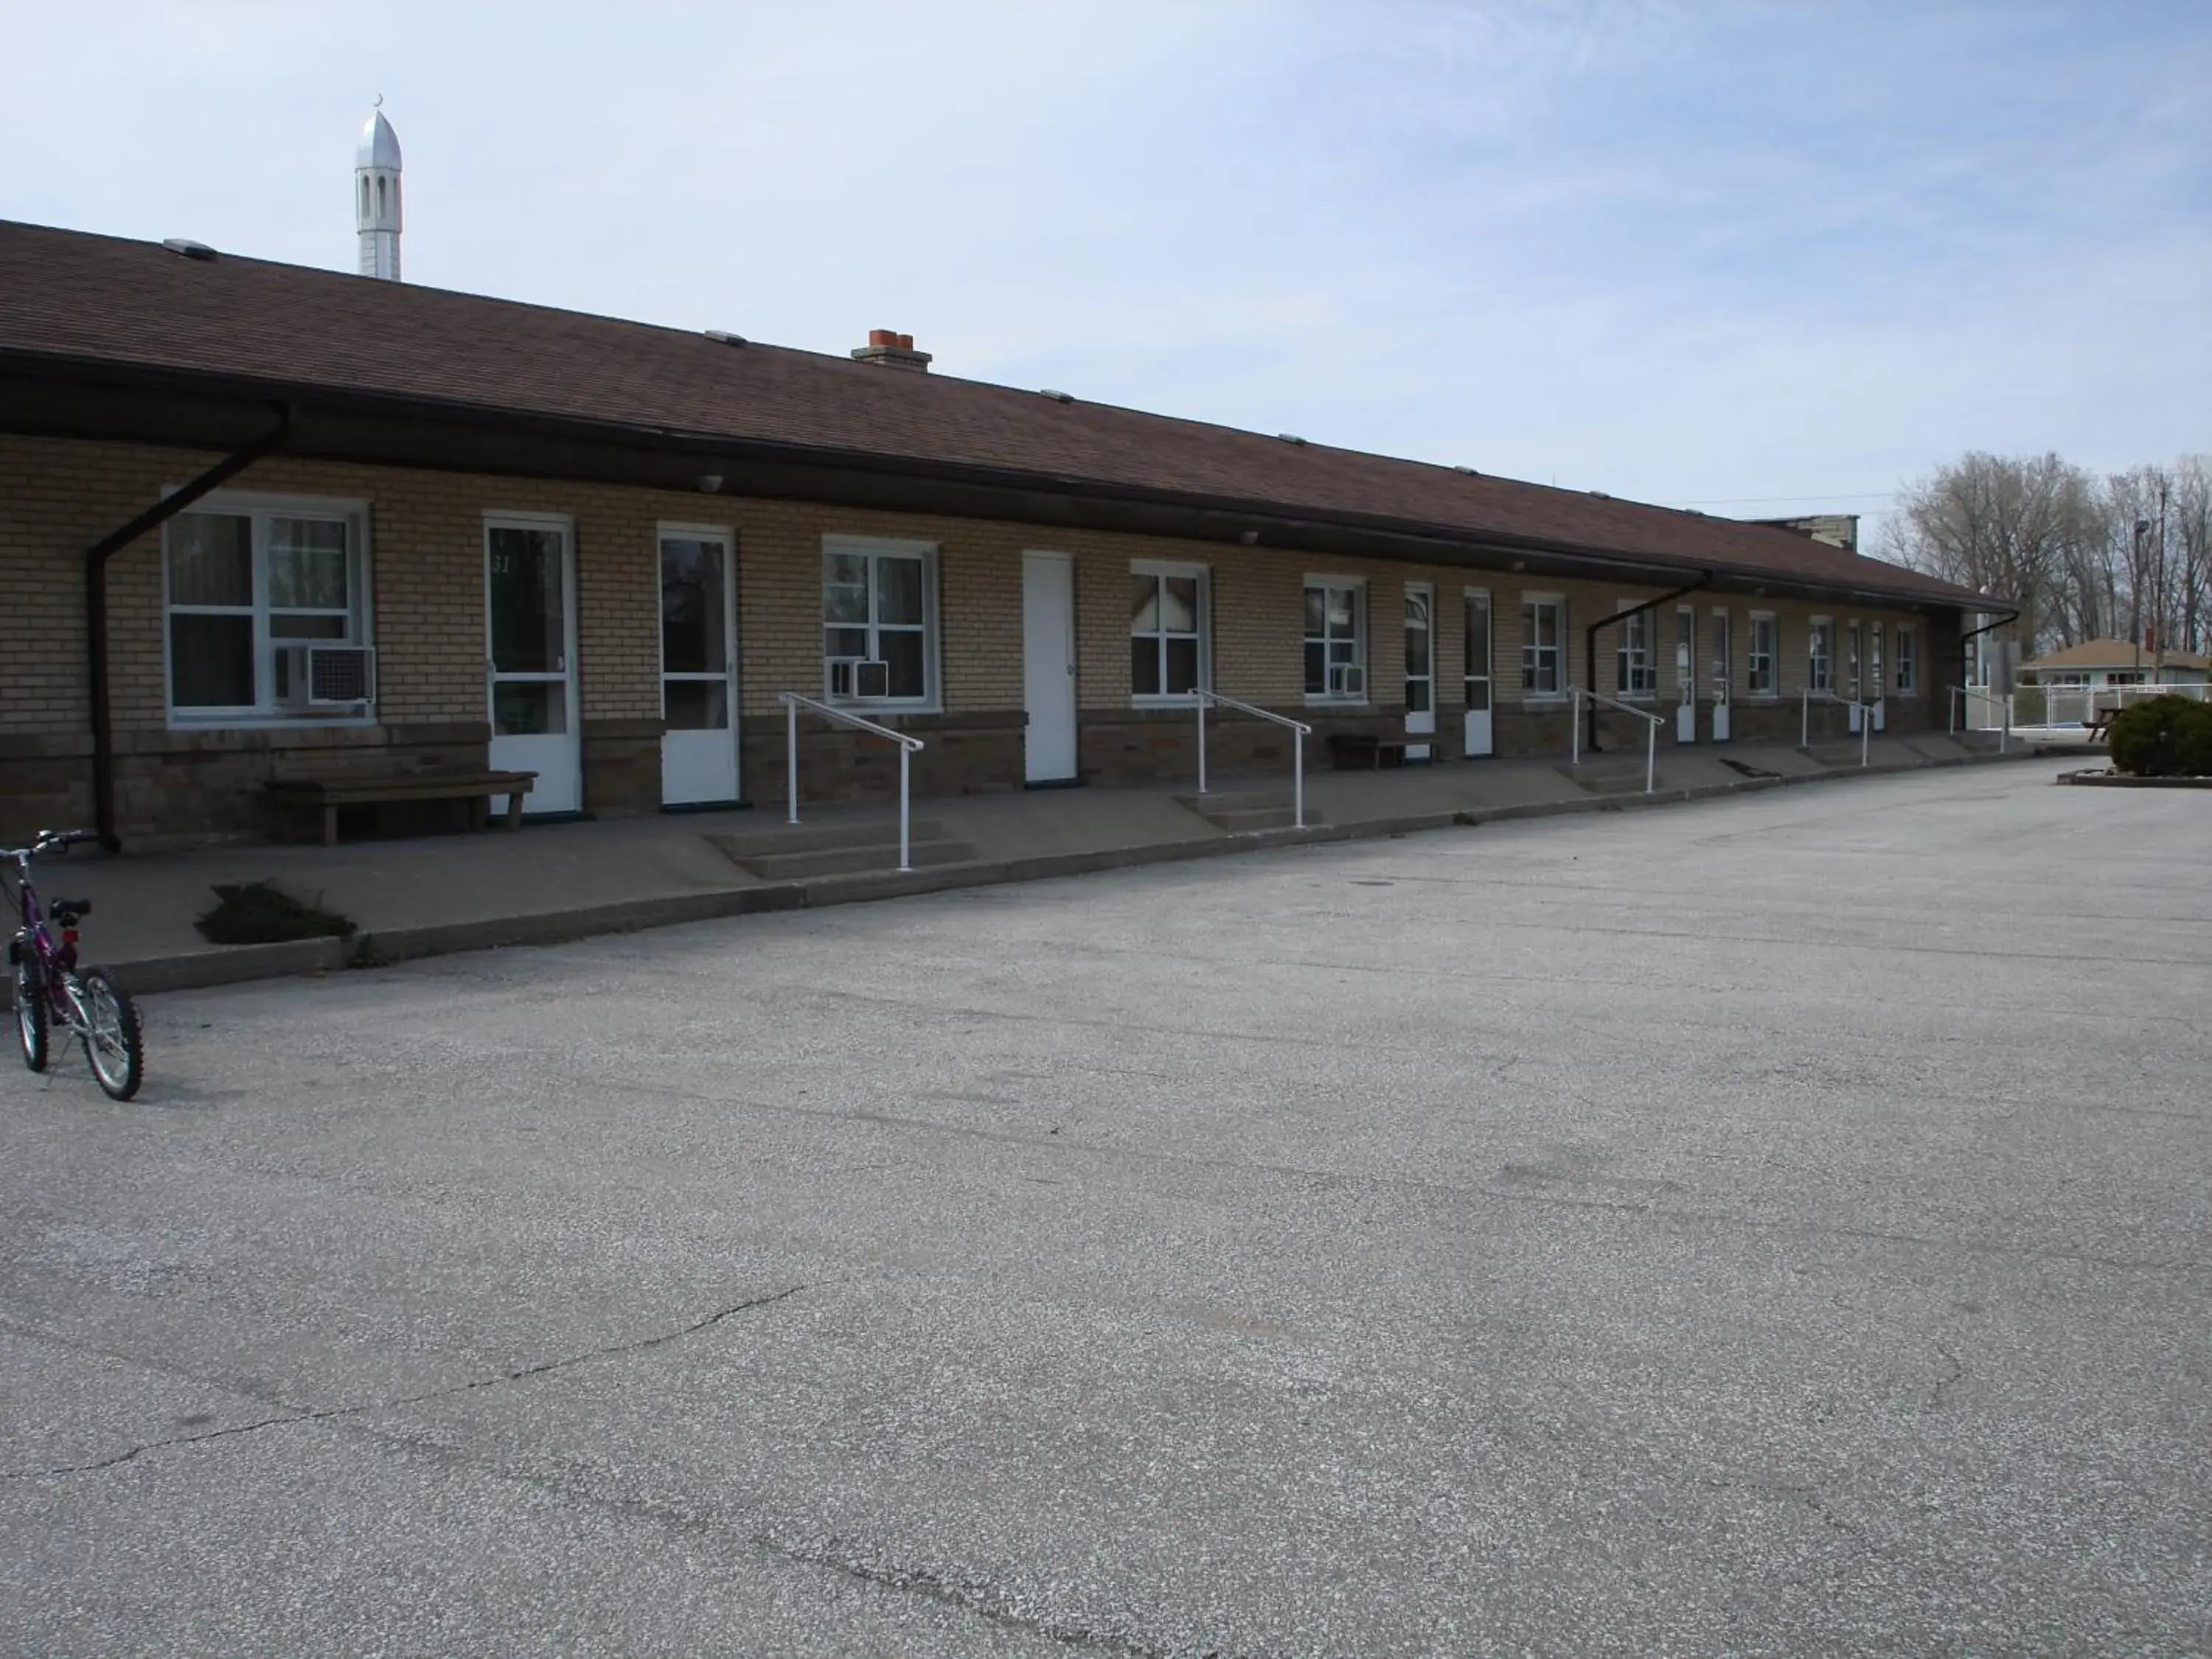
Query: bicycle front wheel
[[113, 1041]]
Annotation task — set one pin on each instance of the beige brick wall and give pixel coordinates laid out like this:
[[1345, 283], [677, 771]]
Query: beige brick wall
[[426, 532]]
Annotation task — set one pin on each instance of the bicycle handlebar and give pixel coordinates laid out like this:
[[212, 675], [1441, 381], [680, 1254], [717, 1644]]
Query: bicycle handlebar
[[47, 840]]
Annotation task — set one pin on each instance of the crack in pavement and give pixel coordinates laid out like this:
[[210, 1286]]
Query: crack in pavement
[[618, 1350], [931, 1586], [1942, 1383], [974, 1599]]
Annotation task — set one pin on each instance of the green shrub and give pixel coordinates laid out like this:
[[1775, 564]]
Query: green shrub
[[2163, 738], [260, 914]]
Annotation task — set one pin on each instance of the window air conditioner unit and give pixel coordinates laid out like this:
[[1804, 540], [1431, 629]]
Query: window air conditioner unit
[[1347, 679], [861, 678], [326, 676]]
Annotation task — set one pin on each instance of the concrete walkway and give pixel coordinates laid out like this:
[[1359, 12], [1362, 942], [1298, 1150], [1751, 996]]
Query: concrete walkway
[[432, 895]]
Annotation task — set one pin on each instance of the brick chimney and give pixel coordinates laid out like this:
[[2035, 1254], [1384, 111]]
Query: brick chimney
[[893, 350]]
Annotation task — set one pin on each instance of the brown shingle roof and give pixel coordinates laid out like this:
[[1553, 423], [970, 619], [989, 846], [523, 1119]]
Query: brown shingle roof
[[97, 300], [2114, 654]]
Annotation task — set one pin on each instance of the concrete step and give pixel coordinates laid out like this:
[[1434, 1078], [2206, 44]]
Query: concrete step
[[1237, 809], [1839, 753], [854, 861], [1612, 777], [1237, 819], [743, 846]]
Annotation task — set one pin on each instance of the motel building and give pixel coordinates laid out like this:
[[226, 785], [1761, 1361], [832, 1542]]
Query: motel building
[[260, 522]]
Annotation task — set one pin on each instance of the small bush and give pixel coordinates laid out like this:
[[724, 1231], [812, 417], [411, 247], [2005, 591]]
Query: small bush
[[260, 914], [2163, 738]]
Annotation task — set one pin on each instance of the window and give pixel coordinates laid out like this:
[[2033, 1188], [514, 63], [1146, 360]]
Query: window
[[246, 579], [1724, 668], [1336, 639], [1420, 659], [1758, 663], [1820, 656], [2124, 676], [1168, 605], [1638, 676], [1853, 681], [1874, 663], [1908, 665], [1476, 655], [880, 621], [1543, 621]]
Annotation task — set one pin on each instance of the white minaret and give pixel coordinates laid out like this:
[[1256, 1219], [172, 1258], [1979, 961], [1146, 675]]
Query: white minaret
[[376, 196]]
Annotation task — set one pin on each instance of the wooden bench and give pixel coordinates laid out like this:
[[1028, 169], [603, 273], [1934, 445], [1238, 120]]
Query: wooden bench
[[328, 795], [1351, 751]]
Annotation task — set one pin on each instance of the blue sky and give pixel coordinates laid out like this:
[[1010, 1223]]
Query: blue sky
[[1764, 257]]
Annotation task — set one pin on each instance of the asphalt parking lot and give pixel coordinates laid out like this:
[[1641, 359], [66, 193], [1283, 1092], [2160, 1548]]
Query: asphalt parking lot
[[1776, 1226]]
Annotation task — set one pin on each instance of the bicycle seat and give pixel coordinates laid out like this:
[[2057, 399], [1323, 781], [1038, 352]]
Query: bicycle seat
[[66, 911]]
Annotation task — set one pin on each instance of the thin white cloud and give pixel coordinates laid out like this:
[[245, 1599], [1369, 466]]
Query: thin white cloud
[[1672, 250]]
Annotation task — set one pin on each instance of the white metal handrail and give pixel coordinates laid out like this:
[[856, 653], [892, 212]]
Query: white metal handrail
[[1301, 731], [1956, 703], [1809, 696], [793, 702], [1651, 734]]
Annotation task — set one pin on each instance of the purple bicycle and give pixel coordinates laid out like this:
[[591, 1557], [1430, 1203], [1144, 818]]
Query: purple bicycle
[[52, 992]]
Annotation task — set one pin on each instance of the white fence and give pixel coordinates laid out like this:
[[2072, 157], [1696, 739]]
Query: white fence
[[2073, 705]]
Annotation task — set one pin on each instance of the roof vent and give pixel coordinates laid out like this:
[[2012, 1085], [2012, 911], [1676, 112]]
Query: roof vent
[[1057, 397], [722, 336], [189, 248], [1469, 471], [1291, 438], [1600, 495]]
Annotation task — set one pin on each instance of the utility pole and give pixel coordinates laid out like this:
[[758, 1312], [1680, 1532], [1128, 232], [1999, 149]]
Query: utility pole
[[2158, 664]]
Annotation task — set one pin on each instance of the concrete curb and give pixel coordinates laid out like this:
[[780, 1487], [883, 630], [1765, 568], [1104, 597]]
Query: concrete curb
[[228, 964], [196, 969], [2120, 781]]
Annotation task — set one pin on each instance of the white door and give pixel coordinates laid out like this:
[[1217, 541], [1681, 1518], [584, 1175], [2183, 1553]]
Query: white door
[[1724, 672], [698, 667], [1877, 691], [530, 627], [1479, 737], [1685, 673], [1048, 665], [1855, 689], [1420, 668]]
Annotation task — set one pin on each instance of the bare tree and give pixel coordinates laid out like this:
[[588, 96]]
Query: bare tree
[[2189, 552], [2024, 529]]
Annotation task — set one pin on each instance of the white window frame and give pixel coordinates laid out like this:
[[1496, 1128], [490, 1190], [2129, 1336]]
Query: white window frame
[[724, 537], [1562, 671], [1760, 684], [1720, 643], [1357, 585], [1203, 575], [259, 507], [1819, 663], [1908, 660], [873, 547], [1635, 675]]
